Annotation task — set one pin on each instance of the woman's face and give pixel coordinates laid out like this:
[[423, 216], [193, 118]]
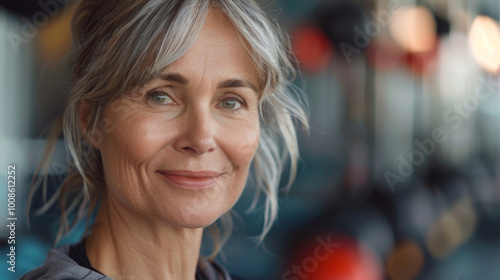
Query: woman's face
[[179, 149]]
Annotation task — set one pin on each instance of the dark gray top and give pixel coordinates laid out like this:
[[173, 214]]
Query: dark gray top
[[59, 266]]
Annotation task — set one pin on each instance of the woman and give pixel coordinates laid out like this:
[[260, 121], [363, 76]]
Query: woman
[[172, 103]]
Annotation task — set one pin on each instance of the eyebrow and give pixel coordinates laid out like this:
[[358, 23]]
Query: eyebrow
[[230, 83], [235, 83], [174, 77]]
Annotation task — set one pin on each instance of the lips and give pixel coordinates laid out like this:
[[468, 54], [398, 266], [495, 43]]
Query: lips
[[190, 179]]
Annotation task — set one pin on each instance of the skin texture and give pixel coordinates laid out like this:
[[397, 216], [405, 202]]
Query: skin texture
[[150, 226]]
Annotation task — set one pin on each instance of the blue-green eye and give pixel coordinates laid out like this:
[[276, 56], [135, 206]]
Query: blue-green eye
[[160, 98], [230, 104]]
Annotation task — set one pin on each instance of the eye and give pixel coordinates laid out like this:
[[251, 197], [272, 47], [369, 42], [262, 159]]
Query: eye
[[160, 98], [230, 104]]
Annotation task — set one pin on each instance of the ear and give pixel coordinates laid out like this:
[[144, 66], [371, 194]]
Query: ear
[[84, 118]]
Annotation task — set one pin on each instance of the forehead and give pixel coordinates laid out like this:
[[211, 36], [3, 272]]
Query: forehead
[[217, 51]]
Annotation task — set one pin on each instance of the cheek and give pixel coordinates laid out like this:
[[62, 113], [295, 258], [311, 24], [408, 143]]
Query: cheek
[[138, 134], [126, 151], [240, 147], [241, 143], [131, 142]]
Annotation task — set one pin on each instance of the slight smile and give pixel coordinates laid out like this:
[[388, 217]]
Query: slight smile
[[190, 179]]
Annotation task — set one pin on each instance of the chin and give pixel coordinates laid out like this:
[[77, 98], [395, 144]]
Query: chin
[[194, 224], [192, 220]]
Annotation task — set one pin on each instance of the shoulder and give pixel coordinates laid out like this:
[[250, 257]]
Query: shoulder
[[59, 266]]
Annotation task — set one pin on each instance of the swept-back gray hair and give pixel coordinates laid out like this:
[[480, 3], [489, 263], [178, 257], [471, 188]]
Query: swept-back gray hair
[[120, 45]]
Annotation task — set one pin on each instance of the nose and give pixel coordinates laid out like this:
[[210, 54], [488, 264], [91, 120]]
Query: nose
[[196, 132]]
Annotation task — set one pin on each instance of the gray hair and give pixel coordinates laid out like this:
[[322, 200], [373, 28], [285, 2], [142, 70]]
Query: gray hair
[[123, 44]]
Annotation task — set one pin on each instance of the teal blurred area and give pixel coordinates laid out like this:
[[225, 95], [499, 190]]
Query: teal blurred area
[[400, 173]]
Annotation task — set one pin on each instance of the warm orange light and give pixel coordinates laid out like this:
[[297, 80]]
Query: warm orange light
[[414, 29], [406, 261], [484, 41], [54, 39]]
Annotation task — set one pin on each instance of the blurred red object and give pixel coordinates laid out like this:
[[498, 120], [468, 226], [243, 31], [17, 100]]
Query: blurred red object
[[312, 48], [422, 63], [335, 257], [383, 55]]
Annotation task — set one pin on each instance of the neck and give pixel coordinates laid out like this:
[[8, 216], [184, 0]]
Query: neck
[[127, 245]]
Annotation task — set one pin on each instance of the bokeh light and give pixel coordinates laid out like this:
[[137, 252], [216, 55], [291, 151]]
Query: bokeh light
[[406, 261], [414, 29], [484, 40], [312, 48], [350, 260], [452, 228]]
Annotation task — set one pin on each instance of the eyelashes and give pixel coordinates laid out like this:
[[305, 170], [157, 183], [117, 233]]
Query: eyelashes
[[159, 97], [230, 102]]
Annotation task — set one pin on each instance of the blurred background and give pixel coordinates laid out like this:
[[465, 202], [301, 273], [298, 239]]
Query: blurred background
[[400, 173]]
